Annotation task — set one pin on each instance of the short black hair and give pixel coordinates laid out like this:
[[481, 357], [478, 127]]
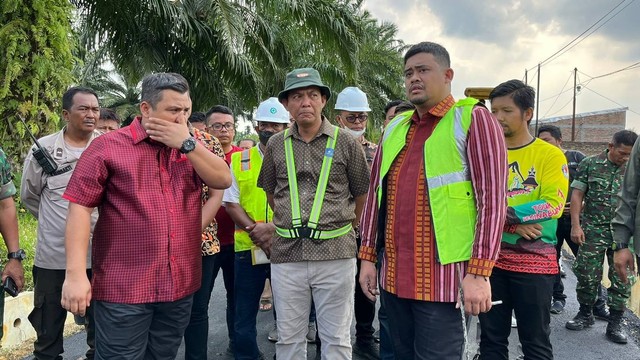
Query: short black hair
[[67, 97], [197, 117], [247, 139], [219, 109], [553, 130], [109, 114], [624, 137], [438, 51], [391, 104], [404, 106], [154, 84], [522, 94]]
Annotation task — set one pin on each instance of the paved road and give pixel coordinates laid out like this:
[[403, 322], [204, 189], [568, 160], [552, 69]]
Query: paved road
[[588, 344]]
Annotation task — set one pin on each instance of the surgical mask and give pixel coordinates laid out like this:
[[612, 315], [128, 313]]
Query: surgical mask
[[264, 136], [355, 133]]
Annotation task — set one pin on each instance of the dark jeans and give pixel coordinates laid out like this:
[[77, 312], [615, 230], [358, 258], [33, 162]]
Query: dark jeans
[[249, 283], [197, 332], [365, 310], [386, 345], [225, 260], [141, 331], [563, 234], [48, 315], [529, 296], [424, 330]]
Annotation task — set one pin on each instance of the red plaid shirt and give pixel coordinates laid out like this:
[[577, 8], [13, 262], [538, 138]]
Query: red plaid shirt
[[146, 243]]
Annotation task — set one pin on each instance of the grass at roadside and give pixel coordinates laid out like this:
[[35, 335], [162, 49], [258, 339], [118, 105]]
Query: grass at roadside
[[27, 226]]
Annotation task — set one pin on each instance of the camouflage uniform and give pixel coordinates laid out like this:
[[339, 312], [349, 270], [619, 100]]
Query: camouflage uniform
[[7, 189], [600, 180], [369, 151]]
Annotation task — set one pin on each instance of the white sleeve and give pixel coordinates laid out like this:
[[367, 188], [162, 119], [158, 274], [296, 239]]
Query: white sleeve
[[232, 194]]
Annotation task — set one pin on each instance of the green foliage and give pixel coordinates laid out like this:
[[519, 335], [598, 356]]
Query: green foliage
[[27, 226], [35, 69], [238, 52]]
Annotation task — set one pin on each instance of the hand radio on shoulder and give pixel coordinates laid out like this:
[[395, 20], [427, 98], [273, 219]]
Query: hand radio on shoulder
[[42, 156]]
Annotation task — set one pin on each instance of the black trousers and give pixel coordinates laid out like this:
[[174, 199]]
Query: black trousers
[[365, 310], [225, 261], [529, 296], [563, 234], [48, 315], [141, 331], [424, 330]]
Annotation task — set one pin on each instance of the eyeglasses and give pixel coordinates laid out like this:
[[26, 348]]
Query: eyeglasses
[[352, 118], [218, 126]]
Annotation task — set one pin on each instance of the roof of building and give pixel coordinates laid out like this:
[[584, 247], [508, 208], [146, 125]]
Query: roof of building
[[582, 115]]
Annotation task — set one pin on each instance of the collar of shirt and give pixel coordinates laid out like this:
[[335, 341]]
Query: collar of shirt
[[437, 111], [603, 158], [325, 128], [59, 147], [138, 133]]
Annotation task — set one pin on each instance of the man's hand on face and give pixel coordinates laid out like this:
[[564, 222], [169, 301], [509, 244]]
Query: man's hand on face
[[169, 133]]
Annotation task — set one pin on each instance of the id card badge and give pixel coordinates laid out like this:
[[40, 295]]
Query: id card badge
[[258, 256]]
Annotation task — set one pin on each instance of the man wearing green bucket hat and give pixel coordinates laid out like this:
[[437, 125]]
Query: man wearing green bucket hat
[[316, 179]]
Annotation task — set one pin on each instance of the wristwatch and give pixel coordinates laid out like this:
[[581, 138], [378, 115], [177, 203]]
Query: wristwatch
[[18, 255], [188, 145], [619, 246]]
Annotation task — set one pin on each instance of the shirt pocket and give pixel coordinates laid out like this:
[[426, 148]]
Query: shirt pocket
[[597, 183], [58, 184]]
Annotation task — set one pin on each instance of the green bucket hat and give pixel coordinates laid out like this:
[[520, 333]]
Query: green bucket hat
[[300, 78]]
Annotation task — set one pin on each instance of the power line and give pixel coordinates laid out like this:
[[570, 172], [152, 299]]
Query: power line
[[613, 101], [594, 30], [563, 106], [568, 46], [557, 97], [630, 67]]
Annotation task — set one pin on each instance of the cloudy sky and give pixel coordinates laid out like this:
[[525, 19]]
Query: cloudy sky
[[492, 41]]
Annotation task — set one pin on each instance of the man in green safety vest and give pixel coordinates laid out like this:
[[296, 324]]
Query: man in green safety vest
[[316, 179], [247, 205], [434, 212]]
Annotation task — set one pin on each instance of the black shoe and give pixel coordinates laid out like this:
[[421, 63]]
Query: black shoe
[[614, 328], [367, 350], [582, 320], [601, 312], [557, 307]]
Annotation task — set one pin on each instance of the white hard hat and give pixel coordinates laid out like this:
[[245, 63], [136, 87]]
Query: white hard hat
[[271, 110], [352, 99]]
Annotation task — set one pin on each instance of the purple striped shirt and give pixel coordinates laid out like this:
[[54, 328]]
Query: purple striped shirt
[[409, 268]]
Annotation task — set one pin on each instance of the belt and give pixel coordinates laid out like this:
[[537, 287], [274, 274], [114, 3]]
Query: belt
[[305, 232]]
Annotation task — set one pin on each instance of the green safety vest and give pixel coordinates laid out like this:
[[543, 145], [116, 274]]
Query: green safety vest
[[246, 167], [451, 196], [310, 229]]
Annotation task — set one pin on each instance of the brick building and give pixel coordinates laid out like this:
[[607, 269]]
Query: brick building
[[591, 127]]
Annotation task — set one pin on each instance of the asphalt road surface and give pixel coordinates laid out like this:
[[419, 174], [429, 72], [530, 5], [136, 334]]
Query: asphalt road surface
[[588, 344]]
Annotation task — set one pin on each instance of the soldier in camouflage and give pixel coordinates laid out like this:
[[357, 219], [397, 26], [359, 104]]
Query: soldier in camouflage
[[597, 182]]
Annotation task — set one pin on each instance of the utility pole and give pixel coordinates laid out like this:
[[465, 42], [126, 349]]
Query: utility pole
[[538, 100], [573, 118], [526, 77]]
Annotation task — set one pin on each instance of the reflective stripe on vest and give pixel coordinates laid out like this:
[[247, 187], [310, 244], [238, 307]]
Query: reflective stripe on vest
[[450, 191], [253, 199], [245, 161], [309, 230]]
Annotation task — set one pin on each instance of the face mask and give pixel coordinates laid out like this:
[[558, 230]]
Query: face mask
[[355, 133], [264, 136]]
